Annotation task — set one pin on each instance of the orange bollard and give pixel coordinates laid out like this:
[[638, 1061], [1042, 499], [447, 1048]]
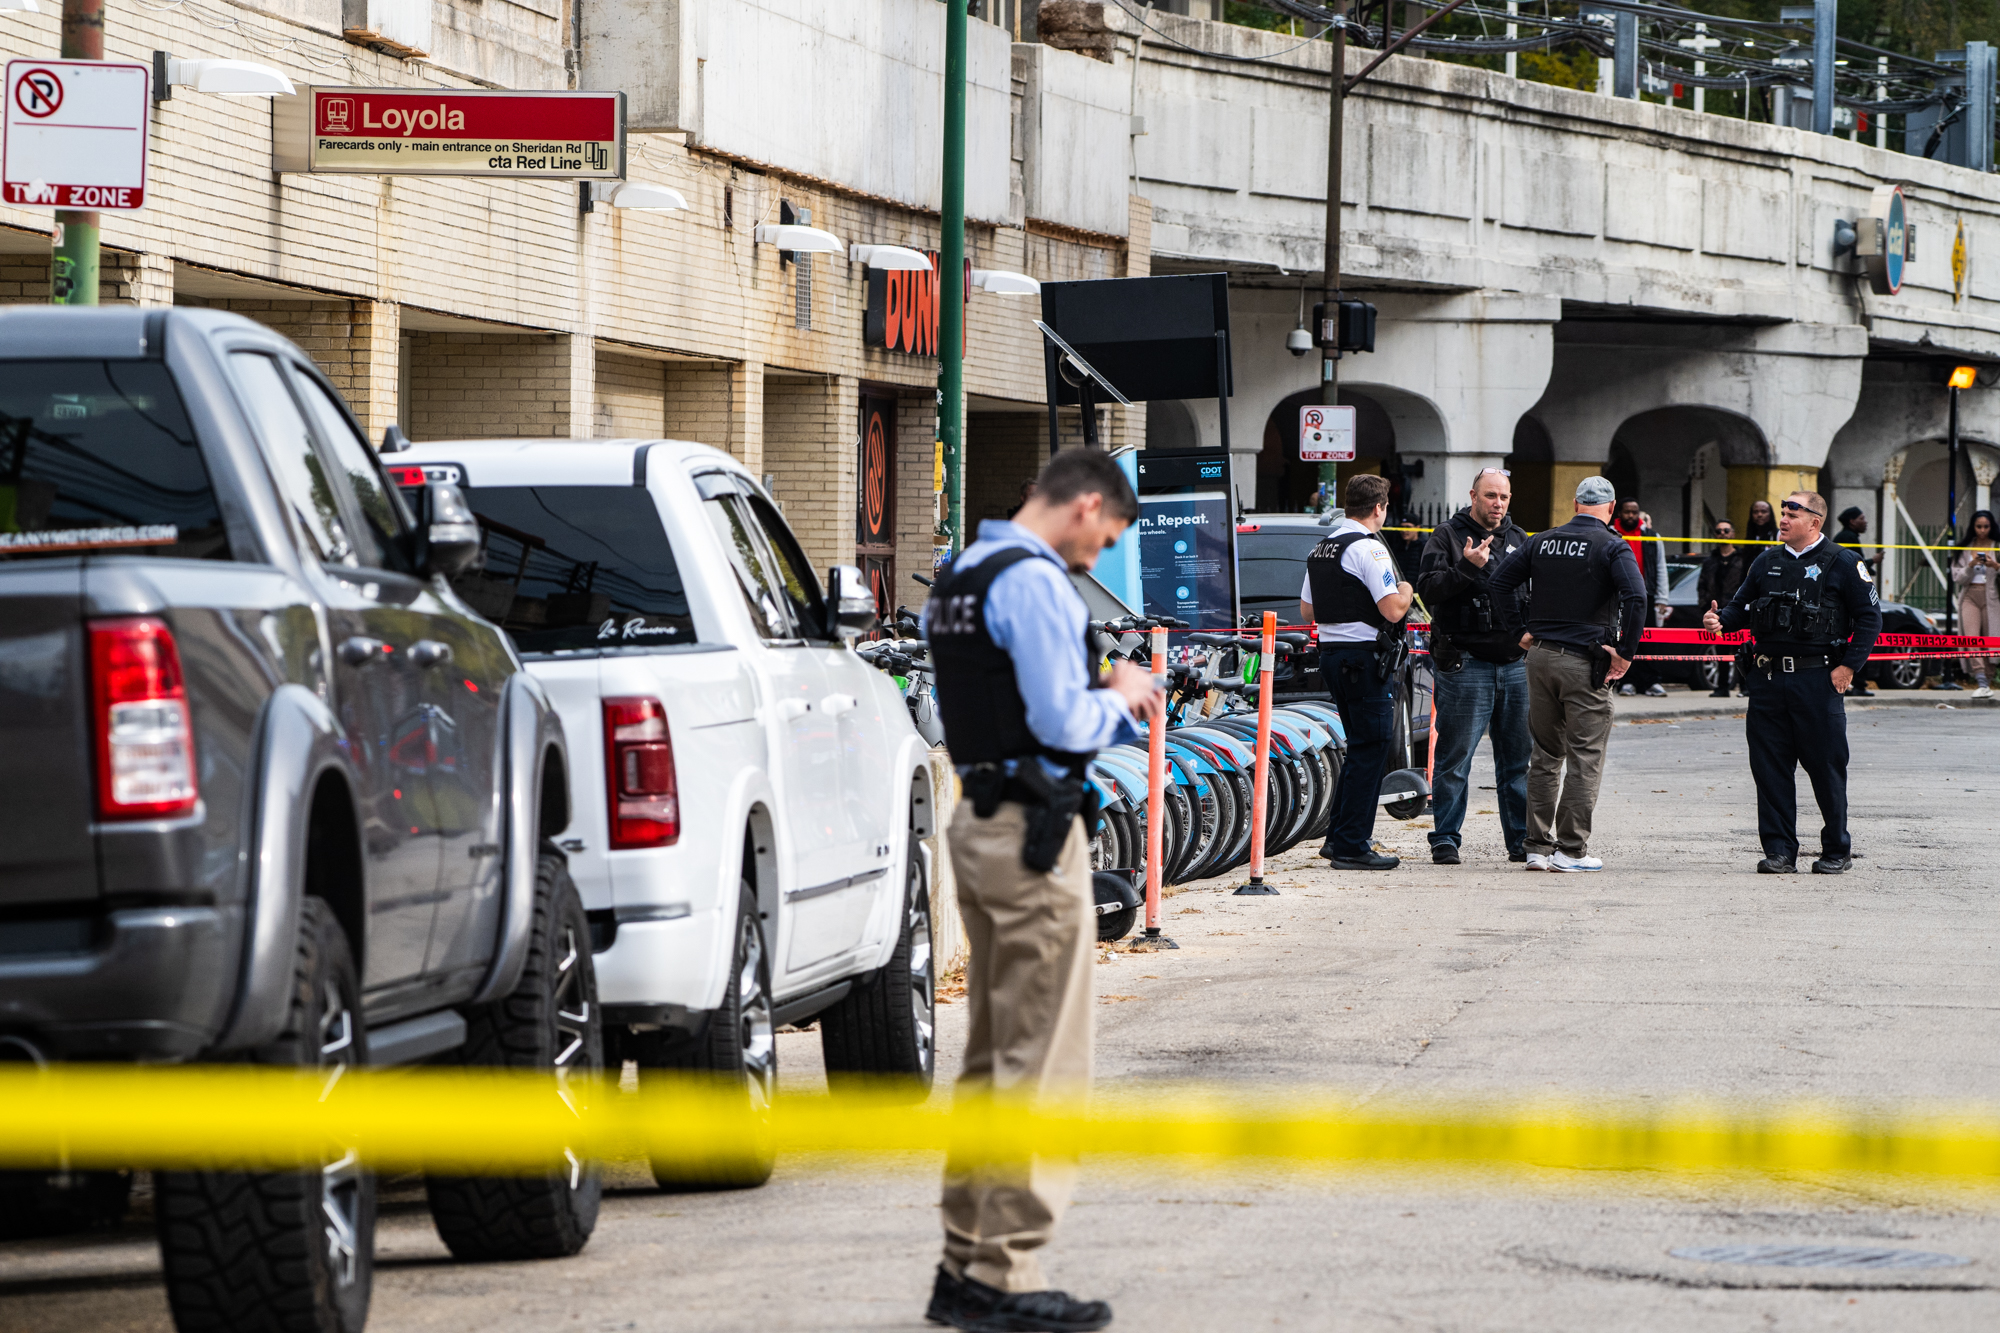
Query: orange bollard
[[1156, 807], [1266, 678]]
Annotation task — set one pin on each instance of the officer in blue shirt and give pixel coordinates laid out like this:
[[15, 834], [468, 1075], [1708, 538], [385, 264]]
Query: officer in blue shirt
[[1024, 711]]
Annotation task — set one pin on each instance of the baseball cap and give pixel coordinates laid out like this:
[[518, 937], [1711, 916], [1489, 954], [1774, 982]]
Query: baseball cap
[[1595, 491]]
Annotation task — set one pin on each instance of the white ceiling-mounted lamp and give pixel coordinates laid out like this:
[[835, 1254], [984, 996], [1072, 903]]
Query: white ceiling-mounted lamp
[[230, 78], [799, 239], [631, 194], [999, 282], [900, 257], [23, 6]]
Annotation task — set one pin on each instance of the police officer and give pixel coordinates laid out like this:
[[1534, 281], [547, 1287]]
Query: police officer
[[1481, 682], [1813, 615], [1586, 608], [1353, 593], [1017, 693]]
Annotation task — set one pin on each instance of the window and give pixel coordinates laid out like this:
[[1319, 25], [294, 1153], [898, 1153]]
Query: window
[[379, 509], [797, 581], [98, 456], [576, 569], [755, 575], [302, 476]]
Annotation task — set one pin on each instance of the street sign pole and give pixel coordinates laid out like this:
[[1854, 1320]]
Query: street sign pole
[[73, 264], [951, 280]]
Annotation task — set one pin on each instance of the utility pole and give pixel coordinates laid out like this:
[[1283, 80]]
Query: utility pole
[[1329, 349], [73, 267], [951, 281]]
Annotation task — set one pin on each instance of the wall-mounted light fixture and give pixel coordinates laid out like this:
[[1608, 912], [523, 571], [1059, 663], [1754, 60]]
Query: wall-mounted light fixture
[[999, 282], [899, 257], [800, 240], [629, 194], [230, 78]]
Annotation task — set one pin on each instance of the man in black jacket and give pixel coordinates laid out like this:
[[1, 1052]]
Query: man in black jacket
[[1721, 575], [1482, 682]]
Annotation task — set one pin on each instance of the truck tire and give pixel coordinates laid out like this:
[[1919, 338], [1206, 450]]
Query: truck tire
[[738, 1049], [551, 1021], [883, 1035], [291, 1251]]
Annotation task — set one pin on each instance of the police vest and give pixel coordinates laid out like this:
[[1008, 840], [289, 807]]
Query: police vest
[[1571, 569], [979, 701], [1338, 597], [1794, 599]]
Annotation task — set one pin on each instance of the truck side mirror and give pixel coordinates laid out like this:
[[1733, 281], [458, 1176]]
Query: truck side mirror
[[450, 532], [850, 603]]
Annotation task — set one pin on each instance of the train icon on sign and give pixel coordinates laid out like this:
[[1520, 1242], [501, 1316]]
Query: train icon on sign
[[39, 93], [339, 116]]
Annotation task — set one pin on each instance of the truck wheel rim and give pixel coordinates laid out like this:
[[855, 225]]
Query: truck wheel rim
[[339, 1180], [573, 1015], [759, 1034], [923, 987]]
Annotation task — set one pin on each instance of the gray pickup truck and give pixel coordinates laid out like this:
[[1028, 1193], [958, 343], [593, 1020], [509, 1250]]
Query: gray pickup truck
[[271, 791]]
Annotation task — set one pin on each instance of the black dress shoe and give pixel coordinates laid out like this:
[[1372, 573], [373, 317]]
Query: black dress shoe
[[1777, 865], [1832, 865], [1444, 854], [1718, 694], [969, 1303], [1368, 861], [1518, 855], [951, 1305]]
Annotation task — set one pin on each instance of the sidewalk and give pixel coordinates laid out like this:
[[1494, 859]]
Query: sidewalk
[[1698, 703]]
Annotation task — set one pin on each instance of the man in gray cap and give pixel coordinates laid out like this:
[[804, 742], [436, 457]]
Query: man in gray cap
[[1586, 607]]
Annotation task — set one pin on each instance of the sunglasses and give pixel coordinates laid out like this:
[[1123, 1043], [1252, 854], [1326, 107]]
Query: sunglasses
[[1496, 471], [1794, 507], [1725, 532]]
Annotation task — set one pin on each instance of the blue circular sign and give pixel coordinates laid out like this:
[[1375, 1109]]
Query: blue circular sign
[[1895, 241], [1180, 548], [1181, 592]]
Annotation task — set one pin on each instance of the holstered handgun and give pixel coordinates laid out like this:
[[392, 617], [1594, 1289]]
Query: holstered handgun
[[1050, 805], [1390, 650], [984, 787], [1600, 666], [1446, 656]]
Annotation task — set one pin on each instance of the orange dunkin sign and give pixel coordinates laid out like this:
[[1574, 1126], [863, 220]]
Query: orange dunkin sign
[[904, 308]]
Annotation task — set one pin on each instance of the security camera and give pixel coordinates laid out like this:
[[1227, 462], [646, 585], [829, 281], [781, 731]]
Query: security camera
[[1299, 342]]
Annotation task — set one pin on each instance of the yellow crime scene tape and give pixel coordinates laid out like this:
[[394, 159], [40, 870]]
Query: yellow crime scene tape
[[511, 1122]]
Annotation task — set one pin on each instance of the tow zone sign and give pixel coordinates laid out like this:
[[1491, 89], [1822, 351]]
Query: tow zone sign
[[75, 134], [1326, 435]]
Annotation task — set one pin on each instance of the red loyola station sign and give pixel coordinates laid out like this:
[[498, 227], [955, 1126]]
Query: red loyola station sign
[[452, 132]]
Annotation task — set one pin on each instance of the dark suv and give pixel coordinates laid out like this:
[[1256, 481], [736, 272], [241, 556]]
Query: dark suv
[[274, 793]]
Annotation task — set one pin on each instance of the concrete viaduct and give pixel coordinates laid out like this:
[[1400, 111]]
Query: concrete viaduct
[[1567, 283]]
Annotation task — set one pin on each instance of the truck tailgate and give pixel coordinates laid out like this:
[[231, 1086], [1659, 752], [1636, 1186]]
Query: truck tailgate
[[46, 855]]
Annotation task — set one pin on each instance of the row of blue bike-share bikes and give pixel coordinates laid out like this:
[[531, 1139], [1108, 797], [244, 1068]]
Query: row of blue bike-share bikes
[[1211, 759]]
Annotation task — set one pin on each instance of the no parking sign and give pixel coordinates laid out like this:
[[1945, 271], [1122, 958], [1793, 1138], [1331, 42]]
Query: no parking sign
[[75, 134], [1326, 434]]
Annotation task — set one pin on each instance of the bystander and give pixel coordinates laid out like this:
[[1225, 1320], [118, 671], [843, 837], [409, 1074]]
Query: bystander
[[1763, 525], [1721, 575], [1976, 576], [1651, 553]]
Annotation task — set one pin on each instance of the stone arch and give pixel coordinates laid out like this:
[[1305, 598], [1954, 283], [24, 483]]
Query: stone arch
[[1688, 464]]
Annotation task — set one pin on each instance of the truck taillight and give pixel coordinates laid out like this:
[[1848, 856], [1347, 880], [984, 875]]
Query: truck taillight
[[641, 795], [145, 745]]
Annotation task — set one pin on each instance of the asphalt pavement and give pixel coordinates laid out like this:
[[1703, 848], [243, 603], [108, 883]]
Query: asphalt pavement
[[1676, 973]]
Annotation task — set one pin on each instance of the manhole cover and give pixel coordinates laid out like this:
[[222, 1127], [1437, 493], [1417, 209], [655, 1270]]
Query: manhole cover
[[1817, 1256]]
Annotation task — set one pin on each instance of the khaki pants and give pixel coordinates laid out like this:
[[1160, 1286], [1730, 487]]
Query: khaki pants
[[1570, 724], [1028, 987]]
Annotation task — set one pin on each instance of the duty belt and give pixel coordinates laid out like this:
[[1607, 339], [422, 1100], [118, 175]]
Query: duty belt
[[1791, 664]]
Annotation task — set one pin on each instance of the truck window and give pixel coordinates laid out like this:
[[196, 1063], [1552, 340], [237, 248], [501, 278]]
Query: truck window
[[377, 506], [302, 474], [756, 574], [796, 577], [576, 568], [98, 457]]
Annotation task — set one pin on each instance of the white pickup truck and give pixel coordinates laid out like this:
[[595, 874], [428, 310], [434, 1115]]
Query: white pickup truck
[[749, 796]]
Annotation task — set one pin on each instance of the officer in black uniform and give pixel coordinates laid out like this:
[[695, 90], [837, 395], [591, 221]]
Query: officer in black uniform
[[1814, 614], [1586, 609]]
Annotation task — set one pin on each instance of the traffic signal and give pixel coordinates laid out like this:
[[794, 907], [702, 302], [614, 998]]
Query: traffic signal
[[1352, 328]]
